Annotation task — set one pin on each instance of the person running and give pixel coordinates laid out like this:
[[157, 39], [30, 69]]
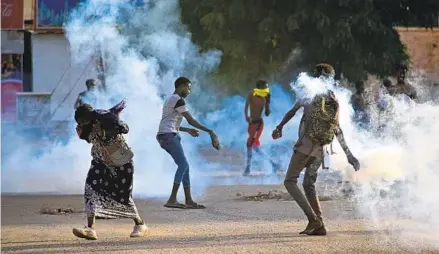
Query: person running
[[109, 182], [257, 100], [174, 109], [317, 128], [88, 96]]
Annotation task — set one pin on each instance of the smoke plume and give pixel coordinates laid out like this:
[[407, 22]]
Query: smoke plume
[[147, 48]]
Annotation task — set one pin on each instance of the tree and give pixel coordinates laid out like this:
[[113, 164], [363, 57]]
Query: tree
[[239, 32], [257, 36]]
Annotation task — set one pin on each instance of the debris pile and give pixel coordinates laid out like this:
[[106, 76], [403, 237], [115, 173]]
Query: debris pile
[[60, 211], [273, 194]]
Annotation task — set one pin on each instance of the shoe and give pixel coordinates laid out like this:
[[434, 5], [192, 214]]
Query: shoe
[[312, 226], [139, 230], [86, 232], [320, 231], [246, 173]]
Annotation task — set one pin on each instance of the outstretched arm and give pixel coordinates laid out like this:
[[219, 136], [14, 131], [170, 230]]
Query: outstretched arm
[[188, 116], [342, 141], [196, 124], [180, 106], [351, 159], [290, 114], [192, 132], [184, 129]]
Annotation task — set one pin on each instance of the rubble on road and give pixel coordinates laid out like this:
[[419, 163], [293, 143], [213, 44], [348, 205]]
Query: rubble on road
[[273, 195], [60, 211]]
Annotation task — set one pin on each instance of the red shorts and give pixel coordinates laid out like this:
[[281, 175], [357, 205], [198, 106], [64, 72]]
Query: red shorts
[[254, 133]]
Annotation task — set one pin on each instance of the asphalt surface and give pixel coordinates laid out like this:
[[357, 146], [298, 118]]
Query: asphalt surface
[[228, 225]]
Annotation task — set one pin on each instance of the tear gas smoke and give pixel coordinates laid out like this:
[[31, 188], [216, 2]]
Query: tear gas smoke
[[398, 151]]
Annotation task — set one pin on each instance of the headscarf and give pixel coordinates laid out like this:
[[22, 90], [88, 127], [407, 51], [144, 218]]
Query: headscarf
[[109, 118], [85, 116]]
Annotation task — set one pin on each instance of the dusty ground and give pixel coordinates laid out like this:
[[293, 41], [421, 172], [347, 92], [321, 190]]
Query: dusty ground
[[228, 225]]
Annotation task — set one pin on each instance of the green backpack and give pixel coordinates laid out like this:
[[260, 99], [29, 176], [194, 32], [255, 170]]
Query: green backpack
[[322, 122]]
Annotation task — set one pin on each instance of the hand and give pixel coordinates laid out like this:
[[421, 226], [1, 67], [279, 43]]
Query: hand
[[267, 112], [193, 132], [215, 141], [277, 133], [248, 119], [354, 162]]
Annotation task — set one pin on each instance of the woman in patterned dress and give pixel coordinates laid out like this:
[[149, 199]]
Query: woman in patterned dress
[[108, 188]]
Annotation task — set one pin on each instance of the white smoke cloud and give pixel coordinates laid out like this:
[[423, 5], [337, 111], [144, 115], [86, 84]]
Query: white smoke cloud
[[142, 60], [399, 173]]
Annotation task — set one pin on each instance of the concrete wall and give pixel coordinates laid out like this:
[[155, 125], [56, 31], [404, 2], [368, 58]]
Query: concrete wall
[[423, 48], [53, 71]]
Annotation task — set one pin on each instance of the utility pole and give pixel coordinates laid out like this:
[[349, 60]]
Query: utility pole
[[100, 67]]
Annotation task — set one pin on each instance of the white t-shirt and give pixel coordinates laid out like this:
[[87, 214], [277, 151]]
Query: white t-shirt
[[172, 116]]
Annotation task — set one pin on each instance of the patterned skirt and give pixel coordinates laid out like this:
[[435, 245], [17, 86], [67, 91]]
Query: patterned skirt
[[108, 191]]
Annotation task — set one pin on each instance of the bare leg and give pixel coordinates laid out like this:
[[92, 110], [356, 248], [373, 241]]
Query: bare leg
[[173, 197], [91, 221], [138, 221], [190, 204], [249, 161]]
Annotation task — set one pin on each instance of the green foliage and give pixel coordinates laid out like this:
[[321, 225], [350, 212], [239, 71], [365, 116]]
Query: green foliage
[[258, 36]]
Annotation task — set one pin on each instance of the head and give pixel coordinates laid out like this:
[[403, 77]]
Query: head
[[182, 86], [84, 114], [401, 72], [387, 83], [91, 84], [261, 84], [323, 69]]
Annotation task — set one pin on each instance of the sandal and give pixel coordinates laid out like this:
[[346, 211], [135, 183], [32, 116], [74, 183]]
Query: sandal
[[174, 205], [195, 206]]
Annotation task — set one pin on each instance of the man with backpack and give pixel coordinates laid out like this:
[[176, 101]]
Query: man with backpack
[[317, 129]]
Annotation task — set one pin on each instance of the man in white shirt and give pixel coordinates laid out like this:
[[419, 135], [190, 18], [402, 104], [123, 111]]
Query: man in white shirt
[[174, 109]]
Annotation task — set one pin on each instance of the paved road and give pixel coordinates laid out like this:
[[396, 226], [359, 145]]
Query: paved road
[[228, 225]]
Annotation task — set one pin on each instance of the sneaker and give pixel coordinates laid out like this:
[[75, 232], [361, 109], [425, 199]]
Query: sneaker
[[312, 226], [86, 232], [319, 231], [139, 230]]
